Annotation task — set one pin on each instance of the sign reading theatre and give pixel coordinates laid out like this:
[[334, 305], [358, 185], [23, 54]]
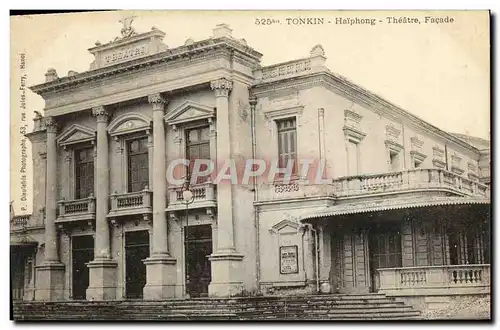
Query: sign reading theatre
[[289, 261]]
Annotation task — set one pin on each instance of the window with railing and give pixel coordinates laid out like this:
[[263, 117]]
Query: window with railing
[[138, 164], [84, 172], [198, 147]]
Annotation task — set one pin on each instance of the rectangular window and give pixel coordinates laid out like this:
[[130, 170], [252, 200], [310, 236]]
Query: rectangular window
[[198, 147], [353, 158], [385, 246], [394, 161], [287, 143], [138, 165], [84, 172]]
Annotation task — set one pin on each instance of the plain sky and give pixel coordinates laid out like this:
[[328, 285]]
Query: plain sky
[[438, 72]]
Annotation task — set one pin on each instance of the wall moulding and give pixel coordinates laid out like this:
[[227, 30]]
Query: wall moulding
[[283, 113]]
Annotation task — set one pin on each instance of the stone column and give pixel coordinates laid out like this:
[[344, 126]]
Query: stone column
[[325, 258], [160, 266], [226, 261], [150, 159], [103, 269], [50, 274]]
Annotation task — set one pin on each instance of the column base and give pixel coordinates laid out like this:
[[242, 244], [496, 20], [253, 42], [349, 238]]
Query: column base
[[325, 286], [49, 281], [102, 273], [226, 274], [161, 277]]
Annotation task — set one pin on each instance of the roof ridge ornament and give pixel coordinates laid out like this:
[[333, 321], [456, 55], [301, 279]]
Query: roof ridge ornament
[[127, 30]]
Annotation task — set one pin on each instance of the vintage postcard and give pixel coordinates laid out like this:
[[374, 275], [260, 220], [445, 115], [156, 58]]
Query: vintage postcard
[[250, 165]]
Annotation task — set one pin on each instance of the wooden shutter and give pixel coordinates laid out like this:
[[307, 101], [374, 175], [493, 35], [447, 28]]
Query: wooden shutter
[[138, 165], [84, 172], [198, 147], [287, 143]]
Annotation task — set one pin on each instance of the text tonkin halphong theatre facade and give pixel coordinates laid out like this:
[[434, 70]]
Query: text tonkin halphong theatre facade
[[300, 182]]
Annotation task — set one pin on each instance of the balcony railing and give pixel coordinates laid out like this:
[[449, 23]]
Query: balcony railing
[[20, 221], [204, 195], [138, 202], [408, 180], [75, 210], [435, 279]]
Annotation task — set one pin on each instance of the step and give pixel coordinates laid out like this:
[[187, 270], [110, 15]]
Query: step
[[320, 307]]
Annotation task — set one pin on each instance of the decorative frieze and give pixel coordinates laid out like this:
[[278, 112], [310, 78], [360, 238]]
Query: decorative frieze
[[286, 69]]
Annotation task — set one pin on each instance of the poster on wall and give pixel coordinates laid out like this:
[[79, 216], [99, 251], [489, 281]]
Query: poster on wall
[[289, 261]]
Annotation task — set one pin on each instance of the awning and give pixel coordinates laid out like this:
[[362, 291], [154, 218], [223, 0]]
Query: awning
[[392, 204]]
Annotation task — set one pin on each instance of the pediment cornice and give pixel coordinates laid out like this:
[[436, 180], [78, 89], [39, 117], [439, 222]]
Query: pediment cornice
[[129, 123], [76, 134], [189, 111]]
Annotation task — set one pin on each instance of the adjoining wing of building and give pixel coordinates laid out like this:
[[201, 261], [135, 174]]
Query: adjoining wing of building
[[403, 208]]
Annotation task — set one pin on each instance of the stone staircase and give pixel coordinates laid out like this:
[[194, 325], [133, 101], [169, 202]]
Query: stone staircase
[[320, 307]]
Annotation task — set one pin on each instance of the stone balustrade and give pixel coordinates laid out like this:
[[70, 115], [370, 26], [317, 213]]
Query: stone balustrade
[[408, 180], [76, 210], [429, 280], [21, 221], [84, 205], [204, 195], [137, 202]]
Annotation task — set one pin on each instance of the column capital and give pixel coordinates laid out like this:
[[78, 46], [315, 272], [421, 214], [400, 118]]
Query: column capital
[[100, 113], [221, 87], [321, 111], [252, 100], [51, 125], [157, 101]]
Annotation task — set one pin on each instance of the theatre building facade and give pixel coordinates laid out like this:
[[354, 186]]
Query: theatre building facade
[[403, 208]]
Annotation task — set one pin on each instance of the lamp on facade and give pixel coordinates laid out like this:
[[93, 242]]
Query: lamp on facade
[[187, 198]]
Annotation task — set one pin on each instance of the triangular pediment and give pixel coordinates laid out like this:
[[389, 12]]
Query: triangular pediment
[[189, 111], [129, 123], [285, 227], [76, 134]]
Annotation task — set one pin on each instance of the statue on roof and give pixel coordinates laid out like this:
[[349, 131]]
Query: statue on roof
[[127, 30]]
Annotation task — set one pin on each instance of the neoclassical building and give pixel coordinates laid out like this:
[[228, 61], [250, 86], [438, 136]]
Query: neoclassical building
[[403, 207]]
